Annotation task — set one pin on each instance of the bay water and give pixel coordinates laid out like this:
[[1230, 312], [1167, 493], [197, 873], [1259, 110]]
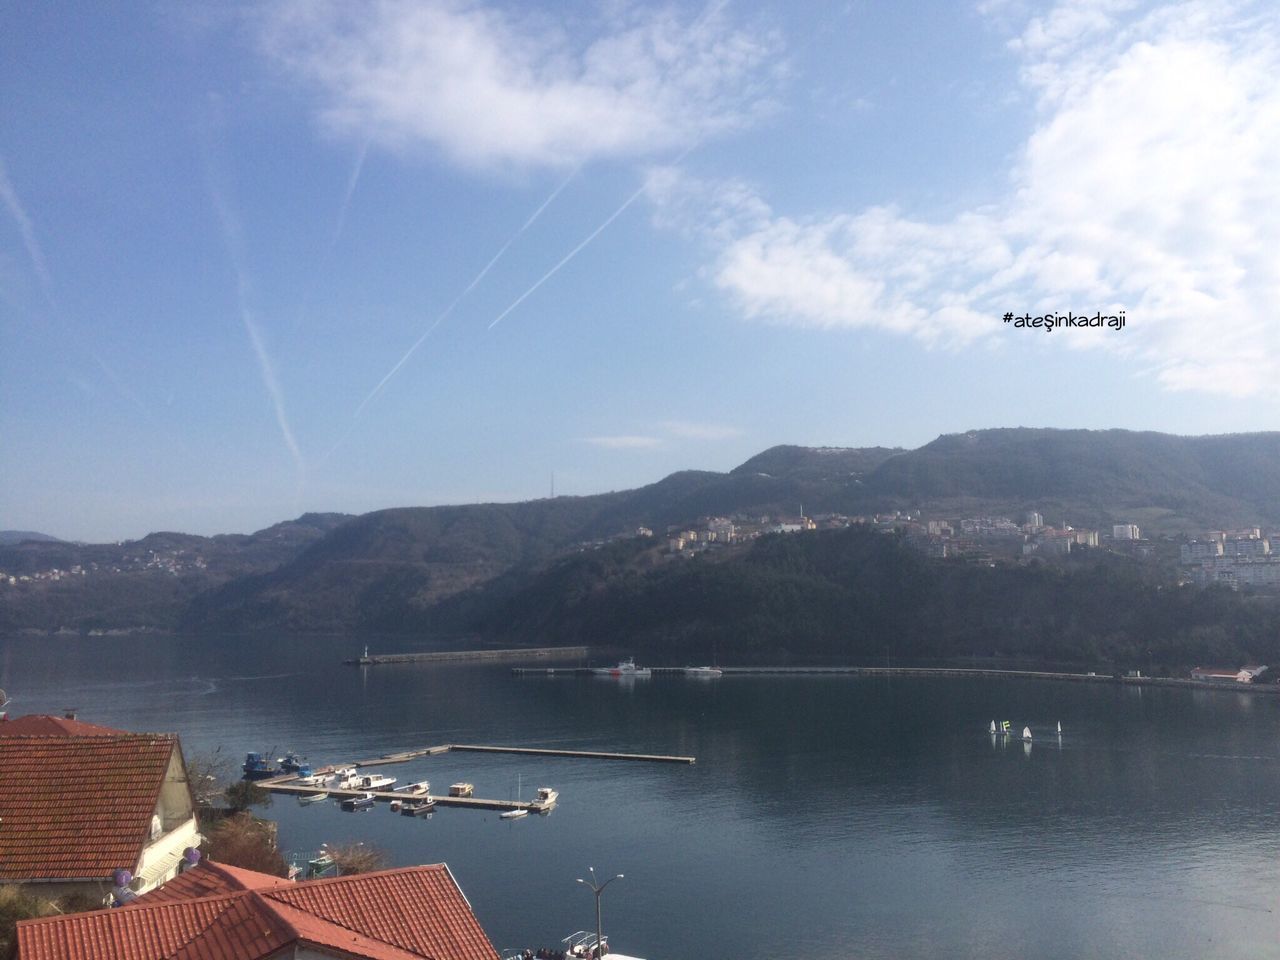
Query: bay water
[[826, 816]]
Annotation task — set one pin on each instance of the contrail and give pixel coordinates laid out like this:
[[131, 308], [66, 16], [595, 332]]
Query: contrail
[[470, 286], [578, 249], [347, 194], [14, 205], [231, 235]]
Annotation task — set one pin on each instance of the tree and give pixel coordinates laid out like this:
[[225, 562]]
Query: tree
[[358, 858], [209, 773], [243, 794], [242, 840], [20, 903]]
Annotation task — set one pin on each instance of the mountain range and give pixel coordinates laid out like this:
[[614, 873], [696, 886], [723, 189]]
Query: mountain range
[[390, 570]]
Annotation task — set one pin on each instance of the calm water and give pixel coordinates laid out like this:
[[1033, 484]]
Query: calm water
[[824, 817]]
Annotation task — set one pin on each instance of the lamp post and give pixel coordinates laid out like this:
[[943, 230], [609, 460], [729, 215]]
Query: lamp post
[[598, 888]]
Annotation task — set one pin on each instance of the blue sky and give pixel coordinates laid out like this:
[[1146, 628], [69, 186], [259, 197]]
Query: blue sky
[[267, 258]]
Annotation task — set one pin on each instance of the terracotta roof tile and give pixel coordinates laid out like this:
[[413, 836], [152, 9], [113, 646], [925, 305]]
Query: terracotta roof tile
[[44, 725], [77, 807], [412, 914], [418, 909], [208, 880]]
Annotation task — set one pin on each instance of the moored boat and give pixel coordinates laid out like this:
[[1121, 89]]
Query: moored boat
[[370, 781], [257, 767], [421, 786], [546, 796], [291, 763], [703, 672], [358, 803], [417, 808], [625, 669], [461, 789], [513, 814], [307, 798]]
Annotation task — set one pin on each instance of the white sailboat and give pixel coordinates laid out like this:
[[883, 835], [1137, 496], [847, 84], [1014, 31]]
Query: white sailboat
[[1026, 734], [993, 726], [514, 814], [1059, 728]]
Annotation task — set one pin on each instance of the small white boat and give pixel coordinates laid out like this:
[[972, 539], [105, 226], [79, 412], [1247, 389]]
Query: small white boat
[[358, 803], [703, 672], [1059, 728], [993, 726], [625, 669], [513, 814], [461, 789], [422, 786], [1026, 734], [314, 780], [313, 798]]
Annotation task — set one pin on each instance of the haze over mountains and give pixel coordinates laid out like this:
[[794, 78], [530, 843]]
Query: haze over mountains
[[385, 570]]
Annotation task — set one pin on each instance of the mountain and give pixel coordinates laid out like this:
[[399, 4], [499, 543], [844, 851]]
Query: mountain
[[8, 537], [842, 595], [388, 570], [142, 583]]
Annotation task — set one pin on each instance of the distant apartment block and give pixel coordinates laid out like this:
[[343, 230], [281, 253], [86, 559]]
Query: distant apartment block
[[1126, 531]]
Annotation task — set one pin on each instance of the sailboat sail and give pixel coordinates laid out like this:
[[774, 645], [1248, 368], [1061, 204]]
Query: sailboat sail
[[1026, 733]]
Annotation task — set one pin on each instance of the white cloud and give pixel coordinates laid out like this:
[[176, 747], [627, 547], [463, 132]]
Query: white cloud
[[493, 88], [690, 430], [1148, 183], [623, 442]]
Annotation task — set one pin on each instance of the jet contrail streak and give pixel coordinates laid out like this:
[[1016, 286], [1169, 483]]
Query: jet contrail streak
[[570, 255], [347, 194], [14, 205], [231, 235], [458, 299]]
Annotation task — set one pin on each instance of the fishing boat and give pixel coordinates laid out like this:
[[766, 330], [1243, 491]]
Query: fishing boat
[[703, 672], [258, 767], [1026, 734], [291, 763], [307, 798], [624, 670], [358, 803], [513, 814]]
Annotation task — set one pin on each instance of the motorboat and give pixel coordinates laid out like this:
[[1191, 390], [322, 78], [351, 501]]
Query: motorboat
[[307, 798], [546, 796], [370, 781], [624, 670], [422, 786], [703, 672], [513, 814], [291, 763], [358, 803], [417, 808], [307, 779], [258, 767], [461, 789]]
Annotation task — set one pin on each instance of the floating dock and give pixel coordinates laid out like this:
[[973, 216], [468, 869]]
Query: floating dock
[[286, 783], [447, 656]]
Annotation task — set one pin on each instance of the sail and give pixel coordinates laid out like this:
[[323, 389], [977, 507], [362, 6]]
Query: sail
[[1026, 733], [993, 726]]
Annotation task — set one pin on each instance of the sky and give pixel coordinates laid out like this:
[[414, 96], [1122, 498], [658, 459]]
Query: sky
[[267, 258]]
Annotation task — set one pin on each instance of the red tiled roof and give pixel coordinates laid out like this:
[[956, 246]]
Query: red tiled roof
[[76, 807], [214, 928], [43, 725], [418, 909], [412, 914], [209, 880]]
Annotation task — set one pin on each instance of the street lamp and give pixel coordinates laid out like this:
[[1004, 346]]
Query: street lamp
[[597, 889]]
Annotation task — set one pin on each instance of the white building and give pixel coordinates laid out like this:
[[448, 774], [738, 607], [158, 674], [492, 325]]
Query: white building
[[1126, 531]]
